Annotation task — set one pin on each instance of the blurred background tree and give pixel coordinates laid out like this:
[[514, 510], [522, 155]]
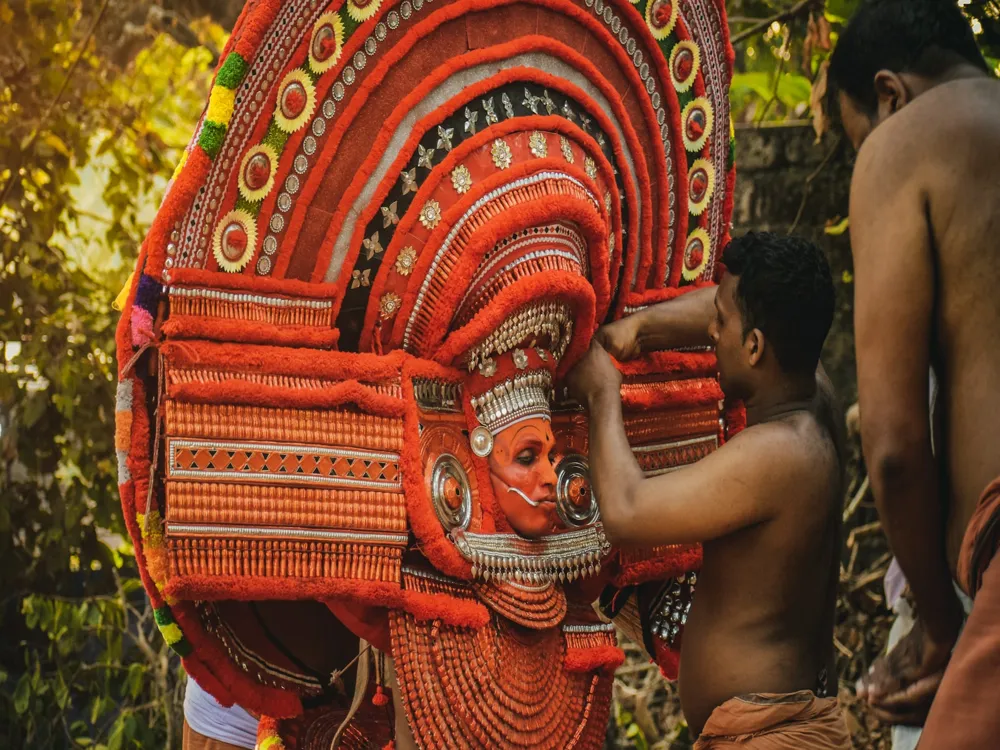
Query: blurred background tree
[[97, 100]]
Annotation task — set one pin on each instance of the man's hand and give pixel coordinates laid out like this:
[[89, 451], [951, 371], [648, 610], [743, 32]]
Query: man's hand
[[621, 338], [902, 684], [594, 374]]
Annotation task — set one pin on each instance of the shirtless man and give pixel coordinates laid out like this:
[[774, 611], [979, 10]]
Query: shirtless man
[[757, 653], [925, 213]]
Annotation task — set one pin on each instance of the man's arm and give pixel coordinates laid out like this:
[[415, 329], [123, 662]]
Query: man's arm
[[737, 486], [674, 324], [893, 316]]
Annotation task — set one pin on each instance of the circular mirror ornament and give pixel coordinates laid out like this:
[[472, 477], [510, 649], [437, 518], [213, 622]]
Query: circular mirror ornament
[[696, 254], [257, 170], [450, 493], [701, 186], [661, 17], [235, 241], [361, 10], [296, 101], [575, 501], [685, 59], [327, 42], [697, 120]]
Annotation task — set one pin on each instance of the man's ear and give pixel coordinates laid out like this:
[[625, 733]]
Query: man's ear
[[892, 93], [755, 346]]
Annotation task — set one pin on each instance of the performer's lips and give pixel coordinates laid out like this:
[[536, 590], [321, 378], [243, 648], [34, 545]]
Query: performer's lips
[[546, 503]]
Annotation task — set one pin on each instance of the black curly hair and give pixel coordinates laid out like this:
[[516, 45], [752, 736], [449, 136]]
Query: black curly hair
[[926, 37], [784, 289]]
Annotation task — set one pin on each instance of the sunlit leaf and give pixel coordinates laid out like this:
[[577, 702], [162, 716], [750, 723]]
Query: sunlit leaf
[[837, 229]]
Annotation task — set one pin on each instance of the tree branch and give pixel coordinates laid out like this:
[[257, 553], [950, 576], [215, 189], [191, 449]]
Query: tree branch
[[807, 187], [795, 11]]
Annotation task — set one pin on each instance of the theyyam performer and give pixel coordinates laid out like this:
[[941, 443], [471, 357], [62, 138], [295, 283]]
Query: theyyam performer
[[358, 491]]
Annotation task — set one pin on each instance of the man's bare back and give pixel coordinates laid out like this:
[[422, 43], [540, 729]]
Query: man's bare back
[[762, 620], [947, 142], [961, 175]]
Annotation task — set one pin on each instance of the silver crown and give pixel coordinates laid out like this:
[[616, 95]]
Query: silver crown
[[534, 321], [522, 397]]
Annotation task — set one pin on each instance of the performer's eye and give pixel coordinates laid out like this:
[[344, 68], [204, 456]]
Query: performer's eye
[[526, 457]]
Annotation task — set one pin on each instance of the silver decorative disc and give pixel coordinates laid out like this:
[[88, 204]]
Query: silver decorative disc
[[481, 441]]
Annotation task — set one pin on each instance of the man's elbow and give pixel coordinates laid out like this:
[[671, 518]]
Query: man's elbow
[[895, 466], [618, 519]]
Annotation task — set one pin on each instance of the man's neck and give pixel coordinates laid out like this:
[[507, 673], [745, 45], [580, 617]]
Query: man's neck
[[922, 84], [784, 396]]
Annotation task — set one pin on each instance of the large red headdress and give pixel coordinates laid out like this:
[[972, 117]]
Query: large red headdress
[[396, 228]]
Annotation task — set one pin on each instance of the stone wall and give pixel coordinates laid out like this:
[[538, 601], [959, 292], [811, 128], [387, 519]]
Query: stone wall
[[783, 174]]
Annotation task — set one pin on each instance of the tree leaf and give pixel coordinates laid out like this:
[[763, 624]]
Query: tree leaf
[[57, 144], [837, 229], [22, 694]]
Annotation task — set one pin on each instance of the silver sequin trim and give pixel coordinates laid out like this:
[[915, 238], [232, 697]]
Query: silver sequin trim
[[277, 532]]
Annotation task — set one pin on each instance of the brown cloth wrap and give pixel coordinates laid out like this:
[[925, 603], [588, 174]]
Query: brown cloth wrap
[[964, 714], [191, 740], [766, 721]]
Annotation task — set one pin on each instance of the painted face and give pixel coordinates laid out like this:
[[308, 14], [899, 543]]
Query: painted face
[[522, 467]]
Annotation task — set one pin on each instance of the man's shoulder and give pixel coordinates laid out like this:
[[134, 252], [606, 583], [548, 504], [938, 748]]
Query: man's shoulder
[[924, 130], [788, 449]]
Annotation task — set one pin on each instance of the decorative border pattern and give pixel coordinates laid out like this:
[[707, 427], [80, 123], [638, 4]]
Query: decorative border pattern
[[277, 463], [665, 458]]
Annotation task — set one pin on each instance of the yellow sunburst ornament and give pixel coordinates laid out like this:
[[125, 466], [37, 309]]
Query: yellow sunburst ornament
[[235, 241], [696, 254], [362, 10], [701, 186], [697, 120], [685, 60], [257, 170], [296, 101], [327, 43], [661, 17]]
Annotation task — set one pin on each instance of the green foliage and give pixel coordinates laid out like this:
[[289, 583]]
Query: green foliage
[[785, 44], [84, 161], [790, 90], [633, 732]]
